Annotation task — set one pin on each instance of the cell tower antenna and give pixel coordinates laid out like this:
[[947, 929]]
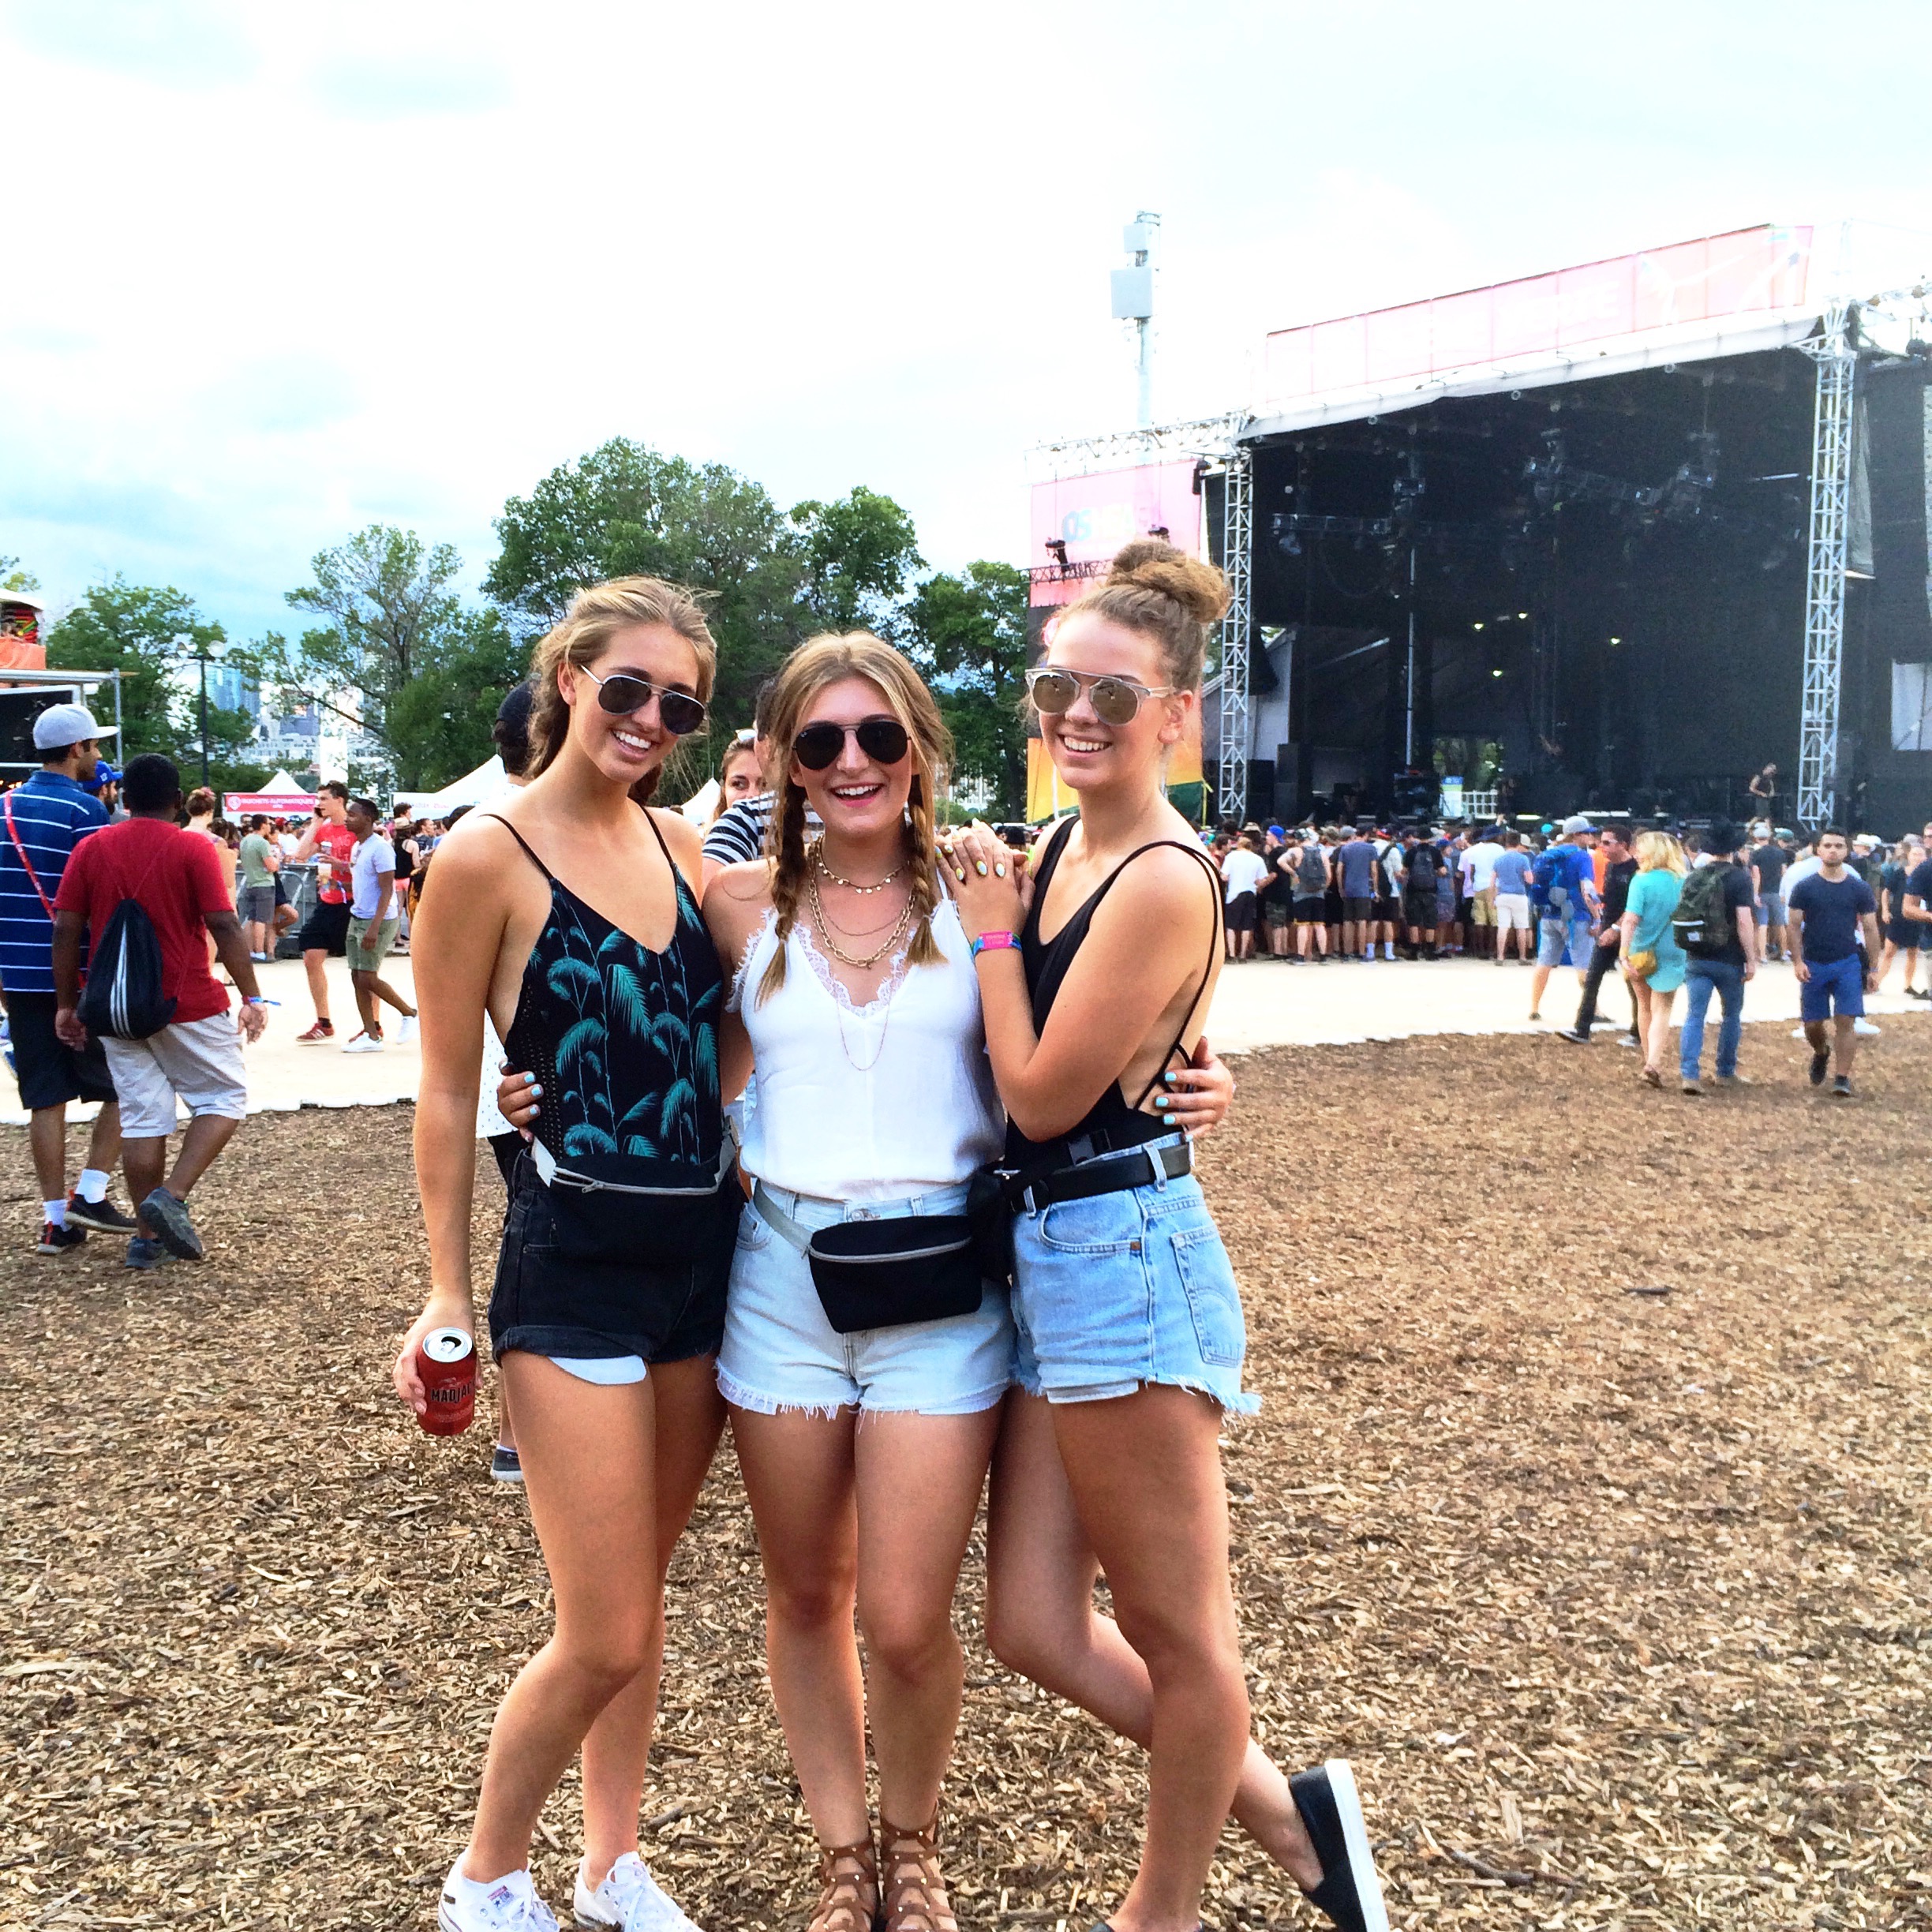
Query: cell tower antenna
[[1133, 302]]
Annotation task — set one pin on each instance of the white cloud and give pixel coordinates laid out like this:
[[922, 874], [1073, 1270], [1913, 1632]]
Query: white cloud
[[276, 272]]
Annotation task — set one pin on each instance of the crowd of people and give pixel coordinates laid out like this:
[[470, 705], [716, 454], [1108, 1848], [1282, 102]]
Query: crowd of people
[[1584, 895]]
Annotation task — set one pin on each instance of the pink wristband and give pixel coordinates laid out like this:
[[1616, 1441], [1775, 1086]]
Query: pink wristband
[[994, 942]]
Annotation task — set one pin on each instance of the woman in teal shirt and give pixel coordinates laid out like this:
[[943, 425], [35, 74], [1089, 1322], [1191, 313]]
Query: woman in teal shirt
[[1646, 929]]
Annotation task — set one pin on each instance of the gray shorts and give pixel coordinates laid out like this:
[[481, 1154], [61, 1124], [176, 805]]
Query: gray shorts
[[255, 904], [1771, 909]]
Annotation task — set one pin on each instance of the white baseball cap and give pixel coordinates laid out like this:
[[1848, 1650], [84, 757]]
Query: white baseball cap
[[68, 725]]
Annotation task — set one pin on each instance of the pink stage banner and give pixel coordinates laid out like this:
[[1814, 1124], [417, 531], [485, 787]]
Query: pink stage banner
[[275, 804], [1750, 270], [1094, 515]]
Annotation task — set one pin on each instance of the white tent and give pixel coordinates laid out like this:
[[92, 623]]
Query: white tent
[[487, 781]]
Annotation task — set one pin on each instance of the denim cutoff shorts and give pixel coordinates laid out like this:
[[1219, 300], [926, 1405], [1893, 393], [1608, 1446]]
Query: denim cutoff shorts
[[1554, 937], [780, 1354], [1122, 1289]]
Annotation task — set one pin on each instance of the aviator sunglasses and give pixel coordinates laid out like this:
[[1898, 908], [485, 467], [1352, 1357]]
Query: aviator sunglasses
[[882, 739], [619, 695], [1116, 700]]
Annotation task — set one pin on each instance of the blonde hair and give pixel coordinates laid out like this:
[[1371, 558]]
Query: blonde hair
[[816, 663], [1657, 851], [597, 613], [1172, 597]]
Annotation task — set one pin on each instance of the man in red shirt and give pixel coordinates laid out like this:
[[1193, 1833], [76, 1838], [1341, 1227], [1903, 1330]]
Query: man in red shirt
[[330, 842], [181, 881]]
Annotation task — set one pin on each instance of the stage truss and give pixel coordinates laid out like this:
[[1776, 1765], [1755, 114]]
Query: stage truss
[[1836, 354]]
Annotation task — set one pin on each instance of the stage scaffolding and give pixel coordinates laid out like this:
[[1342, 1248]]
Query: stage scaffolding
[[1835, 352]]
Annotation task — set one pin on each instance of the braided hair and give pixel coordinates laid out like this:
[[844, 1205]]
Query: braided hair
[[816, 663]]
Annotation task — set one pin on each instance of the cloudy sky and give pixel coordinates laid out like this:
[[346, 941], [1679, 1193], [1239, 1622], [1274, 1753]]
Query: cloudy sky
[[276, 272]]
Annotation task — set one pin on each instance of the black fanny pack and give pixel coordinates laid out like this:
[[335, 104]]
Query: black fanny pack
[[887, 1273], [622, 1207]]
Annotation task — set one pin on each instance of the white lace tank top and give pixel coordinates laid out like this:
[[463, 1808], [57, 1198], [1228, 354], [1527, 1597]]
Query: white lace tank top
[[869, 1102]]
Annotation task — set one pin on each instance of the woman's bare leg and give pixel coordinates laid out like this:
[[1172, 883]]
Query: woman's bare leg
[[799, 1474], [588, 1455], [919, 1478], [690, 1418], [1041, 1622], [1145, 1473]]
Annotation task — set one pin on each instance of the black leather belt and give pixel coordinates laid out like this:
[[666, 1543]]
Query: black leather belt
[[1112, 1173]]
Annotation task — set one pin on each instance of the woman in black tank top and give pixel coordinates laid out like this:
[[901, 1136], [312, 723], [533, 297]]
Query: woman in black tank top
[[1129, 1325], [570, 914]]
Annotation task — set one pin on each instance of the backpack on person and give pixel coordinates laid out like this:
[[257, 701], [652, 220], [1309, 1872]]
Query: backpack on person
[[1702, 923], [122, 998], [1550, 876], [1312, 871]]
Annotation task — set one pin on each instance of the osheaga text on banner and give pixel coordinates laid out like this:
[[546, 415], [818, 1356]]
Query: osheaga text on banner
[[1094, 515]]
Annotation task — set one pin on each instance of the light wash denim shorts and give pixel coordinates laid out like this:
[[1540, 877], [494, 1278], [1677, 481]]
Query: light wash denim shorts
[[1122, 1289], [779, 1354]]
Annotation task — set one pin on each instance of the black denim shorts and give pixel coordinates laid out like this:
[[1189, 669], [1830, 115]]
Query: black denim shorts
[[555, 1304]]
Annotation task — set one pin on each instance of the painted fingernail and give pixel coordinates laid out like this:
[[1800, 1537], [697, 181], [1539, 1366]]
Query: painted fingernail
[[979, 866], [999, 871], [1162, 1100], [535, 1089]]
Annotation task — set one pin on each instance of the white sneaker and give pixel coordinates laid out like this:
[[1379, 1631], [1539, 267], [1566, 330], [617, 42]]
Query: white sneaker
[[631, 1899], [406, 1027], [507, 1904], [1866, 1027], [365, 1043]]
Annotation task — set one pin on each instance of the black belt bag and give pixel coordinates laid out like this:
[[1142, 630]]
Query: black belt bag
[[885, 1273], [622, 1207]]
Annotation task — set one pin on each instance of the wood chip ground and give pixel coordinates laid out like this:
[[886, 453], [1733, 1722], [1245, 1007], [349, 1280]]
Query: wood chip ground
[[1619, 1599]]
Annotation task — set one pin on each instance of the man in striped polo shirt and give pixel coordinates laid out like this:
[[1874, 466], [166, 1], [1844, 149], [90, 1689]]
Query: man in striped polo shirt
[[41, 821]]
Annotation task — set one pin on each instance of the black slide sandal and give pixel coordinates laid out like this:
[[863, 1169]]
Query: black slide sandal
[[1350, 1892]]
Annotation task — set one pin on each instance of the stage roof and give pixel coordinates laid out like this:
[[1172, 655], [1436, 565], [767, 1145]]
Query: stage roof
[[1723, 295]]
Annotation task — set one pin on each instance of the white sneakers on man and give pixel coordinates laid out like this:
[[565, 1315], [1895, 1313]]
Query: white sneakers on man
[[629, 1900], [506, 1905]]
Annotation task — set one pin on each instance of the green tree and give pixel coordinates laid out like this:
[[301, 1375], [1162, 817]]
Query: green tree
[[385, 597], [857, 554], [623, 509], [967, 634], [439, 722], [13, 577], [768, 579], [150, 634]]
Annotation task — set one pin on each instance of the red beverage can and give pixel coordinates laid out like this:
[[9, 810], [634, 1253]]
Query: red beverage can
[[445, 1361]]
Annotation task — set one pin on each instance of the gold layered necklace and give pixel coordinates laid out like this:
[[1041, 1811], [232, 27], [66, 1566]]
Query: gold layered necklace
[[825, 929], [818, 854]]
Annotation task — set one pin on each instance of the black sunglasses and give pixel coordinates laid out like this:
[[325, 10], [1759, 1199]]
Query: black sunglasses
[[882, 739], [682, 713]]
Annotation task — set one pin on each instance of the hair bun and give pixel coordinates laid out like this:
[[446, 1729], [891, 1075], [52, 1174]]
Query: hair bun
[[1153, 563]]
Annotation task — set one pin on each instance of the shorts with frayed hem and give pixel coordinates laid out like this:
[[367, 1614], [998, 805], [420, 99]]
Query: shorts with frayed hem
[[1120, 1290], [781, 1356]]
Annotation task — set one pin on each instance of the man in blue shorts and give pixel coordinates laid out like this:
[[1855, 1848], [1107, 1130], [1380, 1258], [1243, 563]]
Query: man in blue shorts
[[1562, 889], [1826, 914]]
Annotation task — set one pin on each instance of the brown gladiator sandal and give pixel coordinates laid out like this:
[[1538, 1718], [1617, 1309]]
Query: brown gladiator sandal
[[915, 1895], [848, 1896]]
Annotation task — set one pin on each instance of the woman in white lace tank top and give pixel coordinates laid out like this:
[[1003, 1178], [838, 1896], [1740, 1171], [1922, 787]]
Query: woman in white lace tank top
[[855, 992]]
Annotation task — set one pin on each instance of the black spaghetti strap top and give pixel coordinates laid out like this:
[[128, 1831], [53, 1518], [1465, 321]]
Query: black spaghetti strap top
[[623, 1040], [1111, 1123]]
